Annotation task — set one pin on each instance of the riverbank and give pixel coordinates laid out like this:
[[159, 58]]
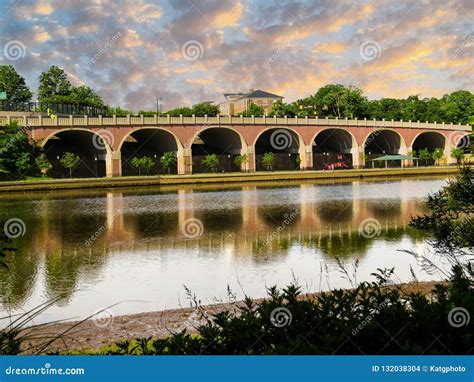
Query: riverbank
[[105, 328], [222, 178]]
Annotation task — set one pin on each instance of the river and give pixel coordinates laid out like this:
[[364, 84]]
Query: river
[[140, 247]]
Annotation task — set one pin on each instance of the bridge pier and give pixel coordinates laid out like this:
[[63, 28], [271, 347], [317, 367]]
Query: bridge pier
[[113, 164], [306, 156], [356, 157]]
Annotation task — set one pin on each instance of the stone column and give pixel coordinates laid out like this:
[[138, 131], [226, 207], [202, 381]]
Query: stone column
[[306, 156], [252, 164], [406, 151], [447, 154], [357, 153], [113, 164], [180, 162], [188, 161]]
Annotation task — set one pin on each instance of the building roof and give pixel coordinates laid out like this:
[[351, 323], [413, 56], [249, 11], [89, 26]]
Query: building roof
[[253, 94], [394, 157]]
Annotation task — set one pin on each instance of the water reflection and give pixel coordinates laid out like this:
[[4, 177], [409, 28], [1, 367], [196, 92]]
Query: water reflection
[[76, 241]]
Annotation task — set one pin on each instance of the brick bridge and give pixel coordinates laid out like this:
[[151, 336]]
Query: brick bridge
[[107, 144]]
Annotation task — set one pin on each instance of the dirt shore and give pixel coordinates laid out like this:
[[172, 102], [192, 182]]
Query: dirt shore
[[105, 329]]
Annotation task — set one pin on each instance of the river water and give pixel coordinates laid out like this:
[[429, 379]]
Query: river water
[[140, 247]]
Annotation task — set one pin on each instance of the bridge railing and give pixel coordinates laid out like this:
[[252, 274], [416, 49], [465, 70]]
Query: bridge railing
[[38, 121]]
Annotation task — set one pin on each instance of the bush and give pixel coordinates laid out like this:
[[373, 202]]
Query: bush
[[373, 318]]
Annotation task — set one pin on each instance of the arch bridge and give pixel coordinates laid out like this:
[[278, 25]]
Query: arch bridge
[[107, 145]]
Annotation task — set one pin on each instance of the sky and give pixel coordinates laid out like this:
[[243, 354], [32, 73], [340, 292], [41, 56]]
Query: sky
[[190, 51]]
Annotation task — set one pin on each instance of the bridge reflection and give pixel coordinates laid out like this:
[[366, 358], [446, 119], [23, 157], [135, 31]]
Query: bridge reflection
[[70, 241]]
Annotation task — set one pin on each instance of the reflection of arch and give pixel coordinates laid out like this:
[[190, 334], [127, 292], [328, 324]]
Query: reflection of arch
[[224, 142], [428, 140], [332, 149], [90, 146], [152, 142], [284, 143], [381, 134]]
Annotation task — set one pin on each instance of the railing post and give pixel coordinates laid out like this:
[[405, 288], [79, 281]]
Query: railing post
[[128, 119], [25, 122], [306, 119], [194, 119], [71, 120], [264, 119], [86, 120], [168, 119], [253, 119], [142, 119], [181, 119], [40, 120], [241, 119], [296, 119], [9, 119], [218, 119], [275, 119], [100, 120], [286, 120], [206, 119], [56, 121], [156, 119], [114, 119]]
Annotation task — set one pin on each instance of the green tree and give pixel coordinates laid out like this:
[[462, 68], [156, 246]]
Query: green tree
[[69, 161], [17, 153], [14, 85], [268, 160], [280, 109], [144, 163], [168, 160], [458, 154], [184, 111], [424, 155], [254, 110], [43, 164], [202, 109], [336, 100], [437, 155], [211, 161], [458, 107], [85, 96], [54, 86], [240, 159]]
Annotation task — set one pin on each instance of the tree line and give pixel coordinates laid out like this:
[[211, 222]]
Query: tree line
[[332, 100]]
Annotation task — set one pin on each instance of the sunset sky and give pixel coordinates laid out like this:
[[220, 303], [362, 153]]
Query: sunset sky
[[188, 51]]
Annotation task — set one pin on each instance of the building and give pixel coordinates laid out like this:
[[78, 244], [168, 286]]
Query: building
[[237, 103]]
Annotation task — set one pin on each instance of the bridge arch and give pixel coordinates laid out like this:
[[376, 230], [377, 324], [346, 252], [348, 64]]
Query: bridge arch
[[285, 143], [383, 142], [92, 148], [225, 142], [150, 141], [428, 140], [332, 149]]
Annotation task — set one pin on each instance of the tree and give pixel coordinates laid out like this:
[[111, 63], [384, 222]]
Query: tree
[[451, 219], [85, 96], [205, 108], [17, 153], [211, 161], [184, 111], [268, 160], [14, 85], [168, 160], [280, 109], [457, 154], [143, 163], [424, 155], [336, 100], [458, 106], [253, 109], [240, 159], [69, 161], [437, 155], [43, 164], [54, 86]]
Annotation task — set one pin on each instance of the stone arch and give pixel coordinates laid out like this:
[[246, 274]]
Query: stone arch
[[332, 149], [382, 142], [92, 147], [150, 141], [285, 143], [225, 142], [429, 140]]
